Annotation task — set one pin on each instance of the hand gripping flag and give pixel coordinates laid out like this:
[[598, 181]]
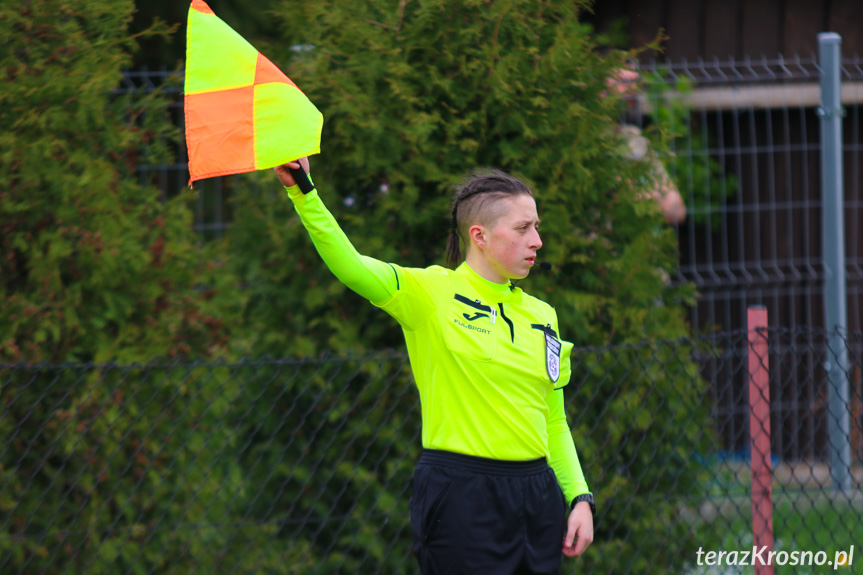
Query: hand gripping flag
[[242, 113]]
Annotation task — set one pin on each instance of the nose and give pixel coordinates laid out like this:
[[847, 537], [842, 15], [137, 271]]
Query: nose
[[535, 241]]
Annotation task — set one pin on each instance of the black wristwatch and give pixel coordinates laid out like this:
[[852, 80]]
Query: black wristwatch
[[585, 497]]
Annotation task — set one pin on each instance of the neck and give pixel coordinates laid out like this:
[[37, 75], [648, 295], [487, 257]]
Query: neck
[[481, 267]]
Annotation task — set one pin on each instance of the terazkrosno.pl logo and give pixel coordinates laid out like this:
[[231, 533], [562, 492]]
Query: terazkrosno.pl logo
[[761, 556]]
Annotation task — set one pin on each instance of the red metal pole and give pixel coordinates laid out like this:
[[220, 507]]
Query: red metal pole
[[759, 436]]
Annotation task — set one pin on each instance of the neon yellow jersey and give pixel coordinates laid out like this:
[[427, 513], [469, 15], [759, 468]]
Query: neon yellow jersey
[[487, 358]]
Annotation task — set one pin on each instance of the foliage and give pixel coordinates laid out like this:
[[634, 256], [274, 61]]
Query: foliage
[[331, 449], [96, 268], [414, 95], [643, 448], [252, 20], [117, 469]]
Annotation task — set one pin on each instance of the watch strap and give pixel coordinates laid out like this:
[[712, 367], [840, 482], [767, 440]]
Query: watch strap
[[585, 497]]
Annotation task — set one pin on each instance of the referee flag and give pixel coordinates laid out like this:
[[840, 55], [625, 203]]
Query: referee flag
[[242, 112]]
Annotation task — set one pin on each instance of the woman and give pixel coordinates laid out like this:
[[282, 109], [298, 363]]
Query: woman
[[499, 485]]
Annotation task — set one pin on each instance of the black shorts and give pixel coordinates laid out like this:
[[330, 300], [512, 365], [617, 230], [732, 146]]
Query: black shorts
[[476, 515]]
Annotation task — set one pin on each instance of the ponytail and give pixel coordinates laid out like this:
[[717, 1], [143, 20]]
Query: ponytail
[[453, 245]]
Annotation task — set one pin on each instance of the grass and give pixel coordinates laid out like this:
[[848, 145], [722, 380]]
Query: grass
[[806, 517]]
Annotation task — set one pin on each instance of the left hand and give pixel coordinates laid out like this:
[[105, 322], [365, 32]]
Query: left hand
[[579, 530], [284, 173]]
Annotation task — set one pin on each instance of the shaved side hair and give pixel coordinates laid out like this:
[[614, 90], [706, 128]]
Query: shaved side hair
[[478, 199]]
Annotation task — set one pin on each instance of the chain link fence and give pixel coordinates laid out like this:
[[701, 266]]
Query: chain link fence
[[304, 465]]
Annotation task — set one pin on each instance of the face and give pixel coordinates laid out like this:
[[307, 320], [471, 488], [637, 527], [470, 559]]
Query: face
[[509, 244]]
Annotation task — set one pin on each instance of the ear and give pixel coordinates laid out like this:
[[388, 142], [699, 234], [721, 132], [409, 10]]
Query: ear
[[477, 235]]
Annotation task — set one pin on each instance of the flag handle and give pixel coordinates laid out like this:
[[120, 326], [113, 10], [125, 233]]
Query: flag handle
[[302, 179]]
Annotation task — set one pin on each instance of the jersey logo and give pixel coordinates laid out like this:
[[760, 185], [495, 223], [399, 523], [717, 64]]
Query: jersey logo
[[478, 305], [474, 316], [552, 351], [552, 357]]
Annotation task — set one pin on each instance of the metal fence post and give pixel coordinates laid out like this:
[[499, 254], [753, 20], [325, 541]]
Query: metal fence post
[[833, 225], [759, 434]]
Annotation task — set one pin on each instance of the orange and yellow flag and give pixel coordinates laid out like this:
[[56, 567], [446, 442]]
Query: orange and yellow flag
[[242, 112]]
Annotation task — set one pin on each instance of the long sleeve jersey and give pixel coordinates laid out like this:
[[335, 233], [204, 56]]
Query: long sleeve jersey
[[487, 358]]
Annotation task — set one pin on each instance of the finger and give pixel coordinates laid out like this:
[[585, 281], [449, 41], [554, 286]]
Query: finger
[[580, 546], [572, 527], [285, 169], [568, 547], [284, 174]]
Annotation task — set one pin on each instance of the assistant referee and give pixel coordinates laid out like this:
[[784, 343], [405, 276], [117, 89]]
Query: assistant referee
[[498, 488]]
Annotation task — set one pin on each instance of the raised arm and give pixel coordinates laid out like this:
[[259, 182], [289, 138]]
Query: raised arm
[[372, 279]]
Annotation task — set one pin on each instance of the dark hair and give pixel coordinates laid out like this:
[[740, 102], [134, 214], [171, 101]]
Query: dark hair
[[473, 196]]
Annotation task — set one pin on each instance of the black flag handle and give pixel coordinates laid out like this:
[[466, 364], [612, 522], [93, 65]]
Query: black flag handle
[[302, 179]]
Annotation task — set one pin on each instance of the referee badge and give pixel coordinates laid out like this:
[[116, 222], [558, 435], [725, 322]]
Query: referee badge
[[552, 357]]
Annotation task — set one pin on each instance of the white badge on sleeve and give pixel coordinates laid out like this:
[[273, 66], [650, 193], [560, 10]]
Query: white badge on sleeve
[[552, 357]]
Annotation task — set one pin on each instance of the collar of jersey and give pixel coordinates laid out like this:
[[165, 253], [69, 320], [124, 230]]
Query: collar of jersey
[[488, 289]]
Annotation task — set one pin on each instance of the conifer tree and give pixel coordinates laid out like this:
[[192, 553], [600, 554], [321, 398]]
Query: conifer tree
[[97, 268]]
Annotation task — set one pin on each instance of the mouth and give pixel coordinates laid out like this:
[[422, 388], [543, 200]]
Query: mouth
[[531, 261]]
